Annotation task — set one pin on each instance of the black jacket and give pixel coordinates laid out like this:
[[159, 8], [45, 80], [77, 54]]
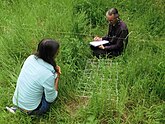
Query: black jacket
[[117, 37]]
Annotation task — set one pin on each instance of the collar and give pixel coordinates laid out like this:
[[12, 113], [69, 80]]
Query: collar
[[117, 23]]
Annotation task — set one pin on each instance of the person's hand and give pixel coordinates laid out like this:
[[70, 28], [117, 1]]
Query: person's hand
[[58, 69], [101, 47], [97, 38]]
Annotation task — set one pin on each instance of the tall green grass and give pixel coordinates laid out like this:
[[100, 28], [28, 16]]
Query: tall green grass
[[136, 93]]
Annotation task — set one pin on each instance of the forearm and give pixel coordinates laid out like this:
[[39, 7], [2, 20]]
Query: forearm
[[58, 72], [56, 82], [115, 46], [116, 42], [111, 47]]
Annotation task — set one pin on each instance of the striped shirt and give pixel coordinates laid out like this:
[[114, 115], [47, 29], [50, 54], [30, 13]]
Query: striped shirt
[[36, 77]]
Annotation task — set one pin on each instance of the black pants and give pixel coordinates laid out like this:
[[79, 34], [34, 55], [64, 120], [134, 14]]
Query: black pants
[[100, 53]]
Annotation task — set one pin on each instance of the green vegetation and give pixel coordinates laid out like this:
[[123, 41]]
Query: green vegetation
[[131, 90]]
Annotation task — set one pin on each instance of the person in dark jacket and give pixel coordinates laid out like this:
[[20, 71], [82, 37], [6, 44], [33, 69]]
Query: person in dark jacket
[[117, 36]]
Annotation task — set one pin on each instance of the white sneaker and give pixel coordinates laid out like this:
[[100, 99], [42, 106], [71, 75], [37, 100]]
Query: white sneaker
[[11, 109]]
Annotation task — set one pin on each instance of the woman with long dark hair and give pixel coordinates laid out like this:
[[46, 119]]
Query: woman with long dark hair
[[37, 84]]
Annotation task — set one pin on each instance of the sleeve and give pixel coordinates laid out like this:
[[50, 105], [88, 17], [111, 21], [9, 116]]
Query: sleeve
[[119, 41], [106, 38], [49, 89]]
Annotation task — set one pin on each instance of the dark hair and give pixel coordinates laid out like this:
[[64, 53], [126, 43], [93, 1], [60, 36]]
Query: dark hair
[[113, 11], [47, 50]]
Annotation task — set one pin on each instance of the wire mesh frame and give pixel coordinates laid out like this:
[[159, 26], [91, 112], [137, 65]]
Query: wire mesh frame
[[97, 78]]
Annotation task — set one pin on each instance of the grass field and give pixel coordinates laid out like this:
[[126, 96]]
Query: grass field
[[129, 89]]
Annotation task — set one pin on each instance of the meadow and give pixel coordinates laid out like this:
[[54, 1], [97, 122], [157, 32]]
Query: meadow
[[128, 89]]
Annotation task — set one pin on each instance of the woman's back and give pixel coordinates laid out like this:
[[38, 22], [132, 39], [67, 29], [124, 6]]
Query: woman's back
[[35, 76]]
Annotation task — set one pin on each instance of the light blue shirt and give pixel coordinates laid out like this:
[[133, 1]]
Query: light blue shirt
[[36, 77]]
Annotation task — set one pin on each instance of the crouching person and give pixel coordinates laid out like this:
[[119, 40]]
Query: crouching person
[[37, 84]]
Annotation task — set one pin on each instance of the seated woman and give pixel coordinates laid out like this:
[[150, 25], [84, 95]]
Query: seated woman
[[37, 84]]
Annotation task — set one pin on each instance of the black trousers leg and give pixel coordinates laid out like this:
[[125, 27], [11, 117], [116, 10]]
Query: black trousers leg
[[98, 52]]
